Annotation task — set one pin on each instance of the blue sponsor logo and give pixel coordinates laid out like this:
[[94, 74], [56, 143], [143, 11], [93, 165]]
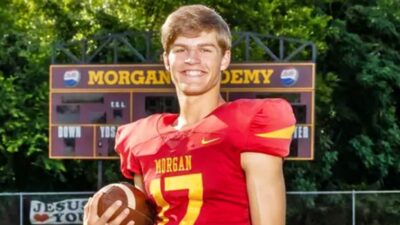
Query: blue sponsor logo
[[289, 77], [72, 78]]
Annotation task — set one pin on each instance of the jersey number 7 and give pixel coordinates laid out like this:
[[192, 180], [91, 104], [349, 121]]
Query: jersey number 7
[[191, 182]]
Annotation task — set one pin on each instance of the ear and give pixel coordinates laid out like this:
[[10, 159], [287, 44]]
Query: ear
[[226, 60], [166, 61]]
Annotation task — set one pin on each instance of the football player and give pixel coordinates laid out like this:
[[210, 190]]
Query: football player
[[215, 162]]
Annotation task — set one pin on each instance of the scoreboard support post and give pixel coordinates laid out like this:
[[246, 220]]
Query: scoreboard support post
[[99, 174]]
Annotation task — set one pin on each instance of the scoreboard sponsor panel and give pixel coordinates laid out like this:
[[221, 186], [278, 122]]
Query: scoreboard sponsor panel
[[89, 102]]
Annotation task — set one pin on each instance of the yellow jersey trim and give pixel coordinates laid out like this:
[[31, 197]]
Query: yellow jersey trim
[[285, 133]]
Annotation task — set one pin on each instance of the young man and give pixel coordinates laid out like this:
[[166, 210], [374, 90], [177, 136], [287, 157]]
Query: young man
[[215, 162]]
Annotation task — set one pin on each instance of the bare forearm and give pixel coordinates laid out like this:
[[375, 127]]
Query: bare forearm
[[266, 191]]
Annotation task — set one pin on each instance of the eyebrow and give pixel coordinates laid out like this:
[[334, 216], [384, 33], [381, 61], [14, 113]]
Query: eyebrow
[[200, 45]]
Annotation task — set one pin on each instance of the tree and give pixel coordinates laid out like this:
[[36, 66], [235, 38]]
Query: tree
[[369, 126], [357, 61]]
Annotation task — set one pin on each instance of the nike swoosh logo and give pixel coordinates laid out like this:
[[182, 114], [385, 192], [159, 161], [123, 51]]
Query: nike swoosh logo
[[205, 142]]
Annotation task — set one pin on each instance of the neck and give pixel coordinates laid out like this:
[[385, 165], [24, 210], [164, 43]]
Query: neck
[[194, 108]]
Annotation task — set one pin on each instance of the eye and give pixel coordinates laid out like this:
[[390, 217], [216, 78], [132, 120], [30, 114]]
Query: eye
[[178, 50], [206, 50]]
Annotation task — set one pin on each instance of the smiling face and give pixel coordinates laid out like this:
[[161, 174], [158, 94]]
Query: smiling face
[[195, 63]]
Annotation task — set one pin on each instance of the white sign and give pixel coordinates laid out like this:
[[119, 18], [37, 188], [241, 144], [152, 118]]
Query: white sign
[[68, 211]]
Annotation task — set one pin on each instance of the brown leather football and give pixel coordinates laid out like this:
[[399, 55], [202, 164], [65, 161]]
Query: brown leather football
[[141, 211]]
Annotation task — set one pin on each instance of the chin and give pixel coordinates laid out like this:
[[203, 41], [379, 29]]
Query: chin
[[192, 89], [193, 92]]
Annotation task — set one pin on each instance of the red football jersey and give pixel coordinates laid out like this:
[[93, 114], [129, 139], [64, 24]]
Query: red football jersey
[[194, 175]]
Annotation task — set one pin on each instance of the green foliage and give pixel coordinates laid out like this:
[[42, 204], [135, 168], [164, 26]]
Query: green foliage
[[378, 209], [357, 89], [357, 133], [310, 209], [367, 122]]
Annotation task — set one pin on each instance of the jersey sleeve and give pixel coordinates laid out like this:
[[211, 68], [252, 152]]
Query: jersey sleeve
[[124, 148], [271, 127]]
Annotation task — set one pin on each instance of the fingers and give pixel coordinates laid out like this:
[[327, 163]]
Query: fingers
[[121, 216], [110, 212], [90, 215], [86, 209], [92, 205]]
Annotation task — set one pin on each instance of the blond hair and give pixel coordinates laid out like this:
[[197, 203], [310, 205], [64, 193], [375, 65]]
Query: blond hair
[[190, 21]]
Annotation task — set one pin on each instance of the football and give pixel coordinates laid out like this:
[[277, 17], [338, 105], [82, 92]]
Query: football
[[141, 211]]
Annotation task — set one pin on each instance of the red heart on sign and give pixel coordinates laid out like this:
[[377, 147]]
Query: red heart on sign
[[41, 217]]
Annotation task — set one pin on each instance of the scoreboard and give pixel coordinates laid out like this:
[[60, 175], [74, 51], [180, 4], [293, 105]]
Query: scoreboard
[[87, 103]]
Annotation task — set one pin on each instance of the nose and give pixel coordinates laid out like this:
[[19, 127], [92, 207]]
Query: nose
[[193, 57]]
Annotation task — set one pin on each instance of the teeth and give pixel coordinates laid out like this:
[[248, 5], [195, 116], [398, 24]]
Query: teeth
[[193, 73]]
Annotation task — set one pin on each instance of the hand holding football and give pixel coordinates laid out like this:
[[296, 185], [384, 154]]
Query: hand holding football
[[140, 210]]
